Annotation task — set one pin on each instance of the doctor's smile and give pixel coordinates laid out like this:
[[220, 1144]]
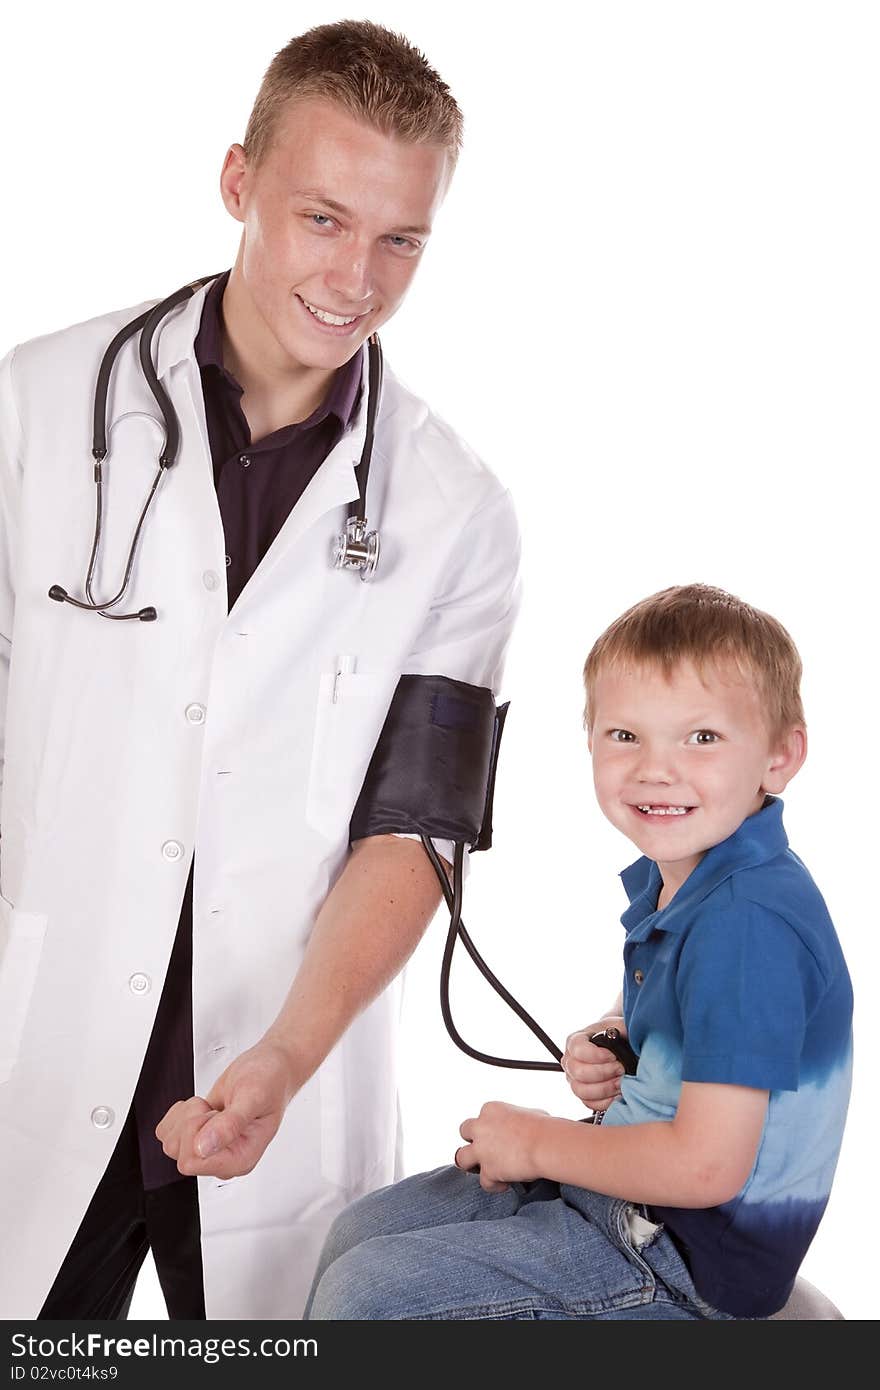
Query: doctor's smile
[[330, 320]]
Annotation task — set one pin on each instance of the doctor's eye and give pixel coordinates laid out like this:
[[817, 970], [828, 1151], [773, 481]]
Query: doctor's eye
[[704, 737], [403, 245], [621, 736]]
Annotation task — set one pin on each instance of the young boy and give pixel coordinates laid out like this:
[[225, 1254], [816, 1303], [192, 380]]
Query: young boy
[[700, 1193]]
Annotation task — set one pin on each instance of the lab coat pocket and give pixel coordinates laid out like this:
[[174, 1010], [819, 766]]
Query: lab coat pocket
[[21, 941], [348, 721]]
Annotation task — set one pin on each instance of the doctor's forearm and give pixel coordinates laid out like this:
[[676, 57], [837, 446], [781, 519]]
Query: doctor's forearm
[[370, 924]]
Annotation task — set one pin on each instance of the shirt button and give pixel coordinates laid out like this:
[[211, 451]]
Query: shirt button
[[211, 580], [195, 714], [244, 461], [102, 1117], [638, 976], [139, 984], [172, 850], [228, 561]]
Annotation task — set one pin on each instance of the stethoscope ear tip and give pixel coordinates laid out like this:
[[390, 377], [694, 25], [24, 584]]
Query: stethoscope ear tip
[[145, 615]]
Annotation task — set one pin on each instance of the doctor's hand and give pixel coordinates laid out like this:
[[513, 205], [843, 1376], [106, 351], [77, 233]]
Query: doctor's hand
[[592, 1072], [502, 1143], [226, 1135]]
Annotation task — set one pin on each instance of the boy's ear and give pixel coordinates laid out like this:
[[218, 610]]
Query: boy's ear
[[786, 760]]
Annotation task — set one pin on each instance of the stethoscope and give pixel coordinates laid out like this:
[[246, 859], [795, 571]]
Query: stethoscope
[[356, 549], [609, 1038]]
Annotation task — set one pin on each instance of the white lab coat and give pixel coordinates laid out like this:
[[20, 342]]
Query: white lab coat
[[130, 745]]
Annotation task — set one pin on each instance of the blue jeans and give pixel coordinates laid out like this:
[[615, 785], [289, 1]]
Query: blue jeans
[[436, 1246]]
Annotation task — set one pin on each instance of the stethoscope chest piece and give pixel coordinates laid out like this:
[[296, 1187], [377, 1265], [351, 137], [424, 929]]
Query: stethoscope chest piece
[[357, 548]]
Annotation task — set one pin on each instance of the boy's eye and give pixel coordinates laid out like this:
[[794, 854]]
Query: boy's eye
[[320, 219], [703, 736], [622, 736]]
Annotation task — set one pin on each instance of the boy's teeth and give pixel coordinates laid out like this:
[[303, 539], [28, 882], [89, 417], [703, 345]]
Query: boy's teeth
[[664, 810], [323, 315]]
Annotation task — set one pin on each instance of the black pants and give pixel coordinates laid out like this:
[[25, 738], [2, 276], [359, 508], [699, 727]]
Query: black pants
[[97, 1277]]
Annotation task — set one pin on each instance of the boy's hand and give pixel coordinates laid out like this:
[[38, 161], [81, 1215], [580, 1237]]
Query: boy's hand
[[501, 1143], [593, 1073]]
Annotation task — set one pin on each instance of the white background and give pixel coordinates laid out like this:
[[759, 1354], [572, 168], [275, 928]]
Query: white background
[[652, 305]]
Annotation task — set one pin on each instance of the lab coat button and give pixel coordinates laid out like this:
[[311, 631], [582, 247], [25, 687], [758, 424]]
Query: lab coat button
[[195, 714], [102, 1117], [172, 850], [211, 580], [139, 984]]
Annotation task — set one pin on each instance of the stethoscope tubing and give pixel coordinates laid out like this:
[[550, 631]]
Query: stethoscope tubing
[[147, 324], [453, 894], [375, 372]]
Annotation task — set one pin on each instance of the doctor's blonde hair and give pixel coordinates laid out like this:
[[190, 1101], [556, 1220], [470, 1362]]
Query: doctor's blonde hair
[[710, 628], [376, 75]]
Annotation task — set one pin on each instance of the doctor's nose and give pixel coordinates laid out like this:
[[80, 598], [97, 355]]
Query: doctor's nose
[[350, 277]]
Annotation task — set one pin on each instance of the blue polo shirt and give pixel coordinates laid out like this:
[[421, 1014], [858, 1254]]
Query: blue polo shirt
[[741, 980]]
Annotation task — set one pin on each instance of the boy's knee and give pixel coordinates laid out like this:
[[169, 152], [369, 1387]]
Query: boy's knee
[[361, 1285], [393, 1209], [354, 1224]]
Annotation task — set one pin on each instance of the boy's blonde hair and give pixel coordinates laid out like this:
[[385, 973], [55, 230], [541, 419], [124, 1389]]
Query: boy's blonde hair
[[704, 625], [377, 76]]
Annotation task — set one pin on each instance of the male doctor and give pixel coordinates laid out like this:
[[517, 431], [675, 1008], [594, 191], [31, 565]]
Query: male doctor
[[191, 948]]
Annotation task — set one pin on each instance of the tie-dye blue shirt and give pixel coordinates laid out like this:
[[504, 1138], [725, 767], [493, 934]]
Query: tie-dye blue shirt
[[741, 980]]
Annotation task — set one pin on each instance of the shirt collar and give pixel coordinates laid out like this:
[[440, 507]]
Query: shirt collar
[[760, 837], [341, 399], [209, 342]]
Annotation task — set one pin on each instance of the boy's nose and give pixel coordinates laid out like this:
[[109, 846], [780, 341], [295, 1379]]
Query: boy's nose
[[656, 768]]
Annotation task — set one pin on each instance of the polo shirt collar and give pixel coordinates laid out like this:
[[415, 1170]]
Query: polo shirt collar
[[761, 837]]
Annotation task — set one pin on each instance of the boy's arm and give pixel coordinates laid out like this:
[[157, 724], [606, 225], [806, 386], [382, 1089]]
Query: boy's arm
[[700, 1158]]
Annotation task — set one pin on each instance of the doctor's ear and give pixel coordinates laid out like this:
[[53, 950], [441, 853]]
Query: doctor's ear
[[232, 178], [786, 759]]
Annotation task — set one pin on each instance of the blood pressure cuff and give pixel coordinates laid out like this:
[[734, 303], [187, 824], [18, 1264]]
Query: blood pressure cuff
[[433, 770]]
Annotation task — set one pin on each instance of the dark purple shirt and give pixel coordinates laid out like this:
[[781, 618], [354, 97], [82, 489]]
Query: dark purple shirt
[[258, 484]]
